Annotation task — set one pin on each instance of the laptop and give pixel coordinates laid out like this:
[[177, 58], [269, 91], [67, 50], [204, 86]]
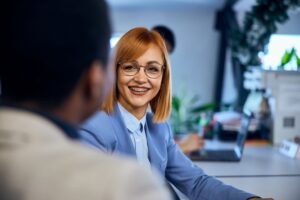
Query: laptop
[[233, 154]]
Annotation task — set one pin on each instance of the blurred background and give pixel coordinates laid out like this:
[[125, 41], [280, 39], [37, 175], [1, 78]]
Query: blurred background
[[224, 52]]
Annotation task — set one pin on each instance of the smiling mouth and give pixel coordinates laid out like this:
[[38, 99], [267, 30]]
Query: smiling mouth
[[138, 90]]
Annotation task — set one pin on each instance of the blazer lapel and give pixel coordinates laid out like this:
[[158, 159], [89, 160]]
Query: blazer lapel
[[153, 153], [123, 139]]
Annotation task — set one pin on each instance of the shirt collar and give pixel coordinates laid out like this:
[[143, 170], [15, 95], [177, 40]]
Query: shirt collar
[[131, 122]]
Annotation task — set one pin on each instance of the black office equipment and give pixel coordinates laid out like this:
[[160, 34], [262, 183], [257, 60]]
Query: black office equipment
[[233, 155]]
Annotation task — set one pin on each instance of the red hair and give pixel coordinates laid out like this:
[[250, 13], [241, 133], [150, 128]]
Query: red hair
[[131, 46]]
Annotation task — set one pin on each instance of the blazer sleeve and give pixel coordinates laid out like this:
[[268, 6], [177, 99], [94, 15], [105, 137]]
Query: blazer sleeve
[[192, 181], [91, 139], [94, 134]]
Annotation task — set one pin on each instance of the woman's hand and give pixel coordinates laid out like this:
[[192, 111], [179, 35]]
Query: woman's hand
[[190, 143]]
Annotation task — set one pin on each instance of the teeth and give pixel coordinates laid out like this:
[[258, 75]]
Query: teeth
[[139, 89]]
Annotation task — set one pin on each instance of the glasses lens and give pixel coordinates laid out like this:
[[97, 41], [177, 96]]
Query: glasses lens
[[153, 70], [130, 68]]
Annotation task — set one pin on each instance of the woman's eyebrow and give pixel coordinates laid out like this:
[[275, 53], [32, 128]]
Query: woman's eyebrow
[[153, 61], [149, 62]]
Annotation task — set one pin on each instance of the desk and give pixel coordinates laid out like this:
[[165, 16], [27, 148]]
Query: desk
[[262, 171]]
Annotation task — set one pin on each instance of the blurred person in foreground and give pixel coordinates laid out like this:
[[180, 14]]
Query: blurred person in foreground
[[192, 141], [127, 126], [53, 76]]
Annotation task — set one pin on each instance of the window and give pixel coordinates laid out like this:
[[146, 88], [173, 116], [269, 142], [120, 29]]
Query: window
[[114, 39], [276, 48]]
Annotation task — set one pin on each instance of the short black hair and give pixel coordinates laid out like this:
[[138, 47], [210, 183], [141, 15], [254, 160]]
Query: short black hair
[[167, 34], [47, 45]]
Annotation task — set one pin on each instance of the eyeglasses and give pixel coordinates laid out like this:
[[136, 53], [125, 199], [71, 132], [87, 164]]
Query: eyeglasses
[[152, 70]]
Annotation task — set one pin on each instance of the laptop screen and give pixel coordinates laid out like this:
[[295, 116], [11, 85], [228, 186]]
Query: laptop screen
[[242, 134]]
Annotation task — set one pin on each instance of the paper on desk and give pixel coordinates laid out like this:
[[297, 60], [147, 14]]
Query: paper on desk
[[290, 149]]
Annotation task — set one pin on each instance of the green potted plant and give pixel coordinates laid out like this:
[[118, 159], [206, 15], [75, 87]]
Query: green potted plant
[[185, 113], [250, 38], [259, 24]]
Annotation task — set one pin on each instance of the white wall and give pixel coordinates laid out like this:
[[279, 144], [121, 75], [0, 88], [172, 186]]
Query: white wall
[[194, 59], [292, 26]]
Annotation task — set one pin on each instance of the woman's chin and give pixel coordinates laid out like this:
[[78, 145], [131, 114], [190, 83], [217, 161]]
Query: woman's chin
[[139, 105]]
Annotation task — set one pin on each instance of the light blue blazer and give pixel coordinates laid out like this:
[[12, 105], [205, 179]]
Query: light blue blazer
[[108, 133]]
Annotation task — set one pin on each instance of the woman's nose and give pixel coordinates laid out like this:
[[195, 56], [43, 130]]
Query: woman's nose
[[141, 76]]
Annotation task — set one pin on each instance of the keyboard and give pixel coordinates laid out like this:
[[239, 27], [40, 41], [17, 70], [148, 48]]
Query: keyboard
[[215, 155]]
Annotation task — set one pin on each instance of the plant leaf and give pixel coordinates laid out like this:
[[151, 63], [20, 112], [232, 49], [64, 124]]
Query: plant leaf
[[298, 61], [285, 59], [205, 107], [176, 103]]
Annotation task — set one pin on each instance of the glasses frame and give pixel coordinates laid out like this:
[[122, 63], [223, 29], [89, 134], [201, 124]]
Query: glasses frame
[[120, 64]]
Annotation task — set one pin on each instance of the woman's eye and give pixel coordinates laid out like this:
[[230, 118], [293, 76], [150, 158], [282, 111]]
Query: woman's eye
[[129, 68], [153, 69]]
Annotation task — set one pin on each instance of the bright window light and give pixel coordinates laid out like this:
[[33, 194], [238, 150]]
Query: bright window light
[[114, 39], [277, 46]]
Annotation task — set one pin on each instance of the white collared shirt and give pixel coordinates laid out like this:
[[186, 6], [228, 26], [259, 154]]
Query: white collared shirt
[[138, 137]]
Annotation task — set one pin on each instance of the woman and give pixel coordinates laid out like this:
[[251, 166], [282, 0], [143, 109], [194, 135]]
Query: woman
[[127, 126]]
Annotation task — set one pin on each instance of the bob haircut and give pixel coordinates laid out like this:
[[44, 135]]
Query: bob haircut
[[132, 45]]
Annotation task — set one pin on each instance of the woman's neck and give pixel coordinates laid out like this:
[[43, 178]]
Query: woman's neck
[[138, 112]]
